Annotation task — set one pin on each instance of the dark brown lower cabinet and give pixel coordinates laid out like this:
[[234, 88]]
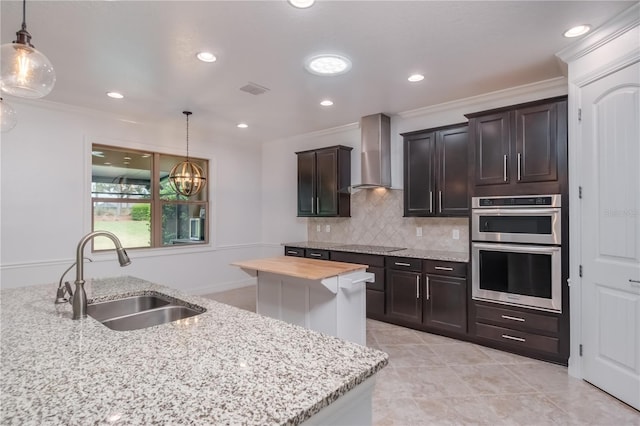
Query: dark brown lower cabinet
[[531, 333], [403, 295], [445, 303]]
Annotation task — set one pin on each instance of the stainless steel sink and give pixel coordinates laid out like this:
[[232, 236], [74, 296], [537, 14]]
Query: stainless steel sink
[[136, 312]]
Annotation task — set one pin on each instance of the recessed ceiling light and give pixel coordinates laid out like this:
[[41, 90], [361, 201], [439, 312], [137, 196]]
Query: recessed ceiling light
[[206, 57], [97, 153], [301, 4], [126, 162], [414, 78], [106, 163], [577, 31], [328, 65], [242, 125], [326, 102], [115, 95], [146, 155], [127, 158]]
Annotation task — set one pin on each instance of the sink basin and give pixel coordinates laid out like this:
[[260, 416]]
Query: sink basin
[[127, 306], [136, 312]]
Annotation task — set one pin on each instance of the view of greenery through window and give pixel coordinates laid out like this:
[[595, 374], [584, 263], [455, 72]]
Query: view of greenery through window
[[124, 202]]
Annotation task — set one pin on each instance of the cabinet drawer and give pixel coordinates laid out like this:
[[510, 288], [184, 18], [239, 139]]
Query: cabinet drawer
[[294, 251], [518, 339], [361, 258], [441, 267], [404, 263], [317, 254], [517, 319]]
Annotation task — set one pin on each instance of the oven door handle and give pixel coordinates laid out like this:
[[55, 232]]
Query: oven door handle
[[516, 248], [511, 211]]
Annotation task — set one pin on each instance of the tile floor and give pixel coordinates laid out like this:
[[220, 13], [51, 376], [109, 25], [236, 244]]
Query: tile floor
[[434, 380]]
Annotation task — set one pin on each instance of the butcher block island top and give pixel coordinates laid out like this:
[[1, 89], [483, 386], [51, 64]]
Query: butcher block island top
[[300, 267], [224, 366]]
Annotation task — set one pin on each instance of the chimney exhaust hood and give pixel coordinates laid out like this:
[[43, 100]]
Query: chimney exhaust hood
[[375, 152]]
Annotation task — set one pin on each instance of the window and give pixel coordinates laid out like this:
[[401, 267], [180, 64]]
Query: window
[[131, 197]]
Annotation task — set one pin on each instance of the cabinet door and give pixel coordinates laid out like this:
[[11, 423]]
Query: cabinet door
[[445, 303], [403, 296], [452, 170], [418, 175], [536, 143], [306, 184], [490, 136], [327, 182]]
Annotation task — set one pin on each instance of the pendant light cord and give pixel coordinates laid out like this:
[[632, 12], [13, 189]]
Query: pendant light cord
[[187, 113], [24, 14]]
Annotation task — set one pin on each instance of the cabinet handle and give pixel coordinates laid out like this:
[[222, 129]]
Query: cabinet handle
[[634, 282], [517, 339], [443, 268], [317, 205], [418, 287], [519, 166], [512, 318], [504, 167], [402, 264], [427, 295], [313, 206], [440, 201], [315, 254], [292, 252], [430, 202]]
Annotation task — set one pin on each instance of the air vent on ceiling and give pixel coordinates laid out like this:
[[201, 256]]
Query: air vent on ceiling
[[254, 89]]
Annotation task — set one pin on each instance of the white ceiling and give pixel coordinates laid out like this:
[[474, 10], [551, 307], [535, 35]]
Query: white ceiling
[[146, 50]]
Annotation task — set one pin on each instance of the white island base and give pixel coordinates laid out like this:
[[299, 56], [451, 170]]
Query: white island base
[[335, 305]]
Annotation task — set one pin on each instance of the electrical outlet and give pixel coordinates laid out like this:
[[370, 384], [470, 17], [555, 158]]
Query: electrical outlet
[[418, 231], [456, 234], [327, 228], [317, 228]]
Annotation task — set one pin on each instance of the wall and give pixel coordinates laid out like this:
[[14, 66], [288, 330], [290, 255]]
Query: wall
[[376, 219], [279, 166], [45, 204]]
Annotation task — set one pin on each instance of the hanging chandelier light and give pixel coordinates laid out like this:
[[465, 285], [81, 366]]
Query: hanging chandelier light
[[25, 72], [187, 178]]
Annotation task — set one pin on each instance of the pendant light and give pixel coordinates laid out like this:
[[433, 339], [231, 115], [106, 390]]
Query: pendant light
[[25, 72], [8, 116], [187, 178]]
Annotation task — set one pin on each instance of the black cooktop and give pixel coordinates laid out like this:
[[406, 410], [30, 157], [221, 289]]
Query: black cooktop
[[364, 247]]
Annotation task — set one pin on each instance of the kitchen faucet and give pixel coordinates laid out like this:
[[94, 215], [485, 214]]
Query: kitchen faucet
[[80, 297], [66, 289]]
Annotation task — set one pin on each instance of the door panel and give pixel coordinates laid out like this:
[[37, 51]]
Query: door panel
[[451, 181], [610, 213], [491, 134], [306, 183], [403, 296], [536, 143], [327, 163], [418, 193]]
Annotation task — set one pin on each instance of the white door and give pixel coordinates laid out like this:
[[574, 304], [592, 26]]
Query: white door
[[610, 212]]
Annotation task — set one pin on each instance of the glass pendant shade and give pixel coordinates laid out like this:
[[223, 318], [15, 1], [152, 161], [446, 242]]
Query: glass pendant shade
[[25, 73], [187, 178], [8, 116]]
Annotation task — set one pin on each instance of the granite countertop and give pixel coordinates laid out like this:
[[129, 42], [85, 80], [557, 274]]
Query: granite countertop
[[224, 366], [451, 256], [300, 267]]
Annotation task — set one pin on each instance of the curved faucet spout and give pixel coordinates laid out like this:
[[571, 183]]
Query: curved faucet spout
[[80, 297]]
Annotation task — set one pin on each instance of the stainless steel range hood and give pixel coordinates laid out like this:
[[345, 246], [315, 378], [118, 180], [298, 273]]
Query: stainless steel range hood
[[375, 152]]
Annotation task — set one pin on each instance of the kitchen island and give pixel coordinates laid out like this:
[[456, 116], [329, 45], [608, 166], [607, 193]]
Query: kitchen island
[[325, 296], [224, 366]]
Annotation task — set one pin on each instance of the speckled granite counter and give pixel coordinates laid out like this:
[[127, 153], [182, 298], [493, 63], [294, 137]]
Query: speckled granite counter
[[225, 366], [416, 253]]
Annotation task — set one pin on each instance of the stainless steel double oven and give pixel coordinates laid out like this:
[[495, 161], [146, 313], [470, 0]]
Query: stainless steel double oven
[[516, 250]]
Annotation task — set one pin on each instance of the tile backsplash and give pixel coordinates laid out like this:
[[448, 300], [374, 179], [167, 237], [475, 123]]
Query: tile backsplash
[[376, 219]]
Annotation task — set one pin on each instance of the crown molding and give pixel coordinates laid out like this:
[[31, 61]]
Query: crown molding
[[602, 35], [547, 88]]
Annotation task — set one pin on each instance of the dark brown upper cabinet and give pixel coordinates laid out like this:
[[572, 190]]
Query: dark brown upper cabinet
[[519, 150], [324, 177], [435, 172]]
